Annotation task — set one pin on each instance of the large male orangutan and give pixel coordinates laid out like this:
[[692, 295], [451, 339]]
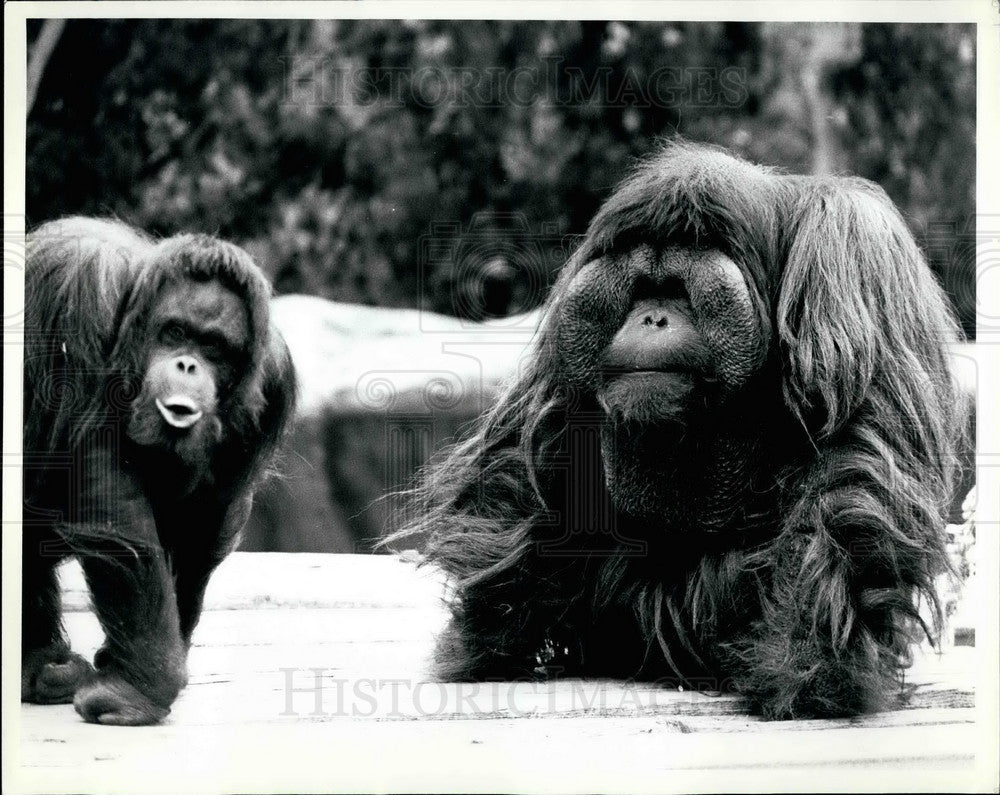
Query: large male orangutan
[[728, 460], [155, 392]]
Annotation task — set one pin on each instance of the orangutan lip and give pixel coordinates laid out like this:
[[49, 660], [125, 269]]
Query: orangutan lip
[[180, 411], [618, 372]]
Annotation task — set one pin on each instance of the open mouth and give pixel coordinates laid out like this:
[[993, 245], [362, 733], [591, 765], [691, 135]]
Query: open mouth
[[179, 411]]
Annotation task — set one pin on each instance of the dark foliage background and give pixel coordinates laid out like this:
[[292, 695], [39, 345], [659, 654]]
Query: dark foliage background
[[447, 164]]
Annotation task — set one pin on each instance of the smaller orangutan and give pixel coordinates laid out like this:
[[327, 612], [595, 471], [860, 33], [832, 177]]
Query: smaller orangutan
[[155, 394]]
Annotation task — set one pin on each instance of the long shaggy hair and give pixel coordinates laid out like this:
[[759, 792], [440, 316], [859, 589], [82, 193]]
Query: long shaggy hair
[[92, 285], [156, 392], [793, 569]]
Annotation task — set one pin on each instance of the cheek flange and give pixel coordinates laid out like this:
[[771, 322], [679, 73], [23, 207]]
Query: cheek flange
[[586, 316], [725, 312]]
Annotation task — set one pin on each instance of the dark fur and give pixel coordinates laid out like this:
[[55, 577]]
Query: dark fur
[[149, 523], [789, 538]]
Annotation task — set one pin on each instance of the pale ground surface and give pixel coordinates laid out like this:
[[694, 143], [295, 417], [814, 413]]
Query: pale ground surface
[[309, 673]]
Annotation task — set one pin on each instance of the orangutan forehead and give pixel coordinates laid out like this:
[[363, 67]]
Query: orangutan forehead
[[206, 305], [675, 263], [706, 272]]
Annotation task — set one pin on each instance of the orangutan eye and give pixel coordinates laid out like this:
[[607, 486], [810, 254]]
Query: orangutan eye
[[173, 334]]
